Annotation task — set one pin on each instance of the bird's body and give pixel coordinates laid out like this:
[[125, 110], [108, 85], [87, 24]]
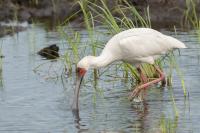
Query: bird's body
[[134, 46]]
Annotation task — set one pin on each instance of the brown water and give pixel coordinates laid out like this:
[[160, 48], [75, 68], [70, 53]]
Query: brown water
[[41, 101]]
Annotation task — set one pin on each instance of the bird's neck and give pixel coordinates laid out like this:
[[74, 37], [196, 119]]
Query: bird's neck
[[101, 61]]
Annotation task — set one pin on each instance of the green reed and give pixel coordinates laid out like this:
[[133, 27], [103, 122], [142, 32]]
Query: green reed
[[73, 39], [191, 16], [181, 76], [168, 125], [89, 24]]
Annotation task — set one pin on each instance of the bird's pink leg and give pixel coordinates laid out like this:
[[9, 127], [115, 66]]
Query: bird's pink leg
[[143, 78], [139, 88]]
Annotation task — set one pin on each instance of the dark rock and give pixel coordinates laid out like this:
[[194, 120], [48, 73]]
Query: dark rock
[[50, 52]]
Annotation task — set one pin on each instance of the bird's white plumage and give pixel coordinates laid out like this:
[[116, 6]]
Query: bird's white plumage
[[134, 46]]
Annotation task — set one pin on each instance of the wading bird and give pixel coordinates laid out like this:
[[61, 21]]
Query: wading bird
[[134, 46]]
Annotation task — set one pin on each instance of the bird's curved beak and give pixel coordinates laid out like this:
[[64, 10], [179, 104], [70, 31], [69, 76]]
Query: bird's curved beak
[[80, 74]]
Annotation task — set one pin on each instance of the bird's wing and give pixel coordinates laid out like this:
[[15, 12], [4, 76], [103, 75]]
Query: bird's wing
[[144, 45]]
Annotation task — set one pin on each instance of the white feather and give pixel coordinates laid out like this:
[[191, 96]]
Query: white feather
[[138, 45]]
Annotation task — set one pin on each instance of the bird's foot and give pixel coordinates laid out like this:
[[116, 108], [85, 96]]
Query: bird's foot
[[138, 89], [138, 99], [135, 95]]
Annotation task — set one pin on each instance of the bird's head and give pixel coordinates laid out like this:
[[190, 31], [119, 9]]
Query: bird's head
[[83, 66], [86, 63]]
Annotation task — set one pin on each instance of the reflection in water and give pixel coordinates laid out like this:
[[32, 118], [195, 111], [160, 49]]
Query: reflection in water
[[77, 121], [141, 110], [76, 116]]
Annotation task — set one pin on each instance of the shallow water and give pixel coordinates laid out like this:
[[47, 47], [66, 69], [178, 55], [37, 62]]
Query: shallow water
[[41, 101]]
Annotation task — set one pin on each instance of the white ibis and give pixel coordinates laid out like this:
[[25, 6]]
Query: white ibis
[[134, 46]]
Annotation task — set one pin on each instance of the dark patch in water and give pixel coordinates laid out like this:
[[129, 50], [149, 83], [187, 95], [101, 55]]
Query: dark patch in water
[[50, 52]]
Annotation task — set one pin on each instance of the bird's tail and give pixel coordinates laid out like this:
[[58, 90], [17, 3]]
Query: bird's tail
[[175, 42]]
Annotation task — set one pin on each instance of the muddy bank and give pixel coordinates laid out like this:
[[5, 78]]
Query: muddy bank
[[162, 12], [167, 13], [28, 10]]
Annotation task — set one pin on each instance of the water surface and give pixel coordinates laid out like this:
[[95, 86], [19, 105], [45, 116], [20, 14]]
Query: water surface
[[40, 101]]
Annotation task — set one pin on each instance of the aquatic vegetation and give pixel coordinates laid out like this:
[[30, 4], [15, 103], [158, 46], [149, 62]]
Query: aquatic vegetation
[[168, 125], [192, 17], [173, 65], [191, 13], [73, 40], [89, 23]]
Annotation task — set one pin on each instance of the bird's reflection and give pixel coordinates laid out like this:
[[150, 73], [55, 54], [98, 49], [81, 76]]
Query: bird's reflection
[[77, 121], [76, 115], [142, 110]]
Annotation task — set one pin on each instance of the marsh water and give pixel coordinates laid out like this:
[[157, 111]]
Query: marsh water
[[35, 98]]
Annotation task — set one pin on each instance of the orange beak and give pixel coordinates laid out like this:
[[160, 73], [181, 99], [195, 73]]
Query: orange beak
[[80, 74]]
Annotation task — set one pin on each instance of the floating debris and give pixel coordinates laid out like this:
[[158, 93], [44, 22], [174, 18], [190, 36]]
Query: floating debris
[[50, 52]]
